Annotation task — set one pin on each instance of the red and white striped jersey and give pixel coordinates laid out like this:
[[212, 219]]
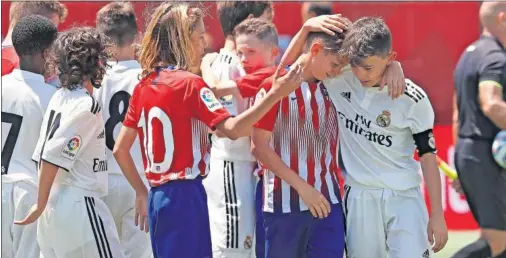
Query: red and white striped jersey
[[304, 135], [171, 111]]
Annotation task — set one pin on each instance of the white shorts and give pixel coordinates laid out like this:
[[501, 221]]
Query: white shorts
[[384, 223], [230, 188], [74, 225], [121, 202], [19, 194]]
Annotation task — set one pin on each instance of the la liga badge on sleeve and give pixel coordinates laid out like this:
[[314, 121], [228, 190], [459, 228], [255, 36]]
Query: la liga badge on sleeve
[[72, 147], [209, 99]]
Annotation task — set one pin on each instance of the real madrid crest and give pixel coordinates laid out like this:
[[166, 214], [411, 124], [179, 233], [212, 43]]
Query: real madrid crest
[[248, 242], [384, 119], [432, 141]]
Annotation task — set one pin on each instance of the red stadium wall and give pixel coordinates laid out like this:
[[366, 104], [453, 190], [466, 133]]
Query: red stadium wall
[[428, 37]]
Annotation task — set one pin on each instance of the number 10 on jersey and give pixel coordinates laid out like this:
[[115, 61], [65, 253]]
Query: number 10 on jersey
[[168, 139]]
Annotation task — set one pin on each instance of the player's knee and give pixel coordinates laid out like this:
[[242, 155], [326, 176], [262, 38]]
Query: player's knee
[[496, 240]]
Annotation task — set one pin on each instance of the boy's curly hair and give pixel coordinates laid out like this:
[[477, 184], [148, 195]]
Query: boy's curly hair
[[80, 54]]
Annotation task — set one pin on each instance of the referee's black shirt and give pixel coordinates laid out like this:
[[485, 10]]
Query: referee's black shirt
[[484, 60]]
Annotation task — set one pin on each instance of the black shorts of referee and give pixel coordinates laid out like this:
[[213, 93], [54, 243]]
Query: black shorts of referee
[[483, 182]]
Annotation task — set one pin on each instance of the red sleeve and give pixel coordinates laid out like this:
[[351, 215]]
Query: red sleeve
[[7, 67], [10, 60], [268, 121], [132, 117], [200, 99], [249, 84]]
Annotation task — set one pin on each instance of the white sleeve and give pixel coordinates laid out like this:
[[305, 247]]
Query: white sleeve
[[421, 116], [24, 238], [71, 136], [236, 71]]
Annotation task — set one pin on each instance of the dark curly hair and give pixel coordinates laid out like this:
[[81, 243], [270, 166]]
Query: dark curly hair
[[80, 54], [33, 34]]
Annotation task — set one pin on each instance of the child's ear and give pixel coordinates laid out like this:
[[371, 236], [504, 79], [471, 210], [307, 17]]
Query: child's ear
[[274, 52], [391, 57], [315, 49]]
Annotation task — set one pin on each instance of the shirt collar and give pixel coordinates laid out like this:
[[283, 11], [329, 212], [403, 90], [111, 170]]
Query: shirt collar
[[27, 76], [492, 38], [129, 64]]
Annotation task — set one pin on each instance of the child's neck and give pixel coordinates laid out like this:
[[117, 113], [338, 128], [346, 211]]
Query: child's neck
[[31, 64], [229, 44], [88, 86], [307, 74], [271, 64], [124, 53]]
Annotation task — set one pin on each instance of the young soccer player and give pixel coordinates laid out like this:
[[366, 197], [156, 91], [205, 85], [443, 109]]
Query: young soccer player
[[117, 20], [53, 10], [233, 210], [383, 202], [25, 97], [299, 164], [170, 109], [74, 221], [231, 163]]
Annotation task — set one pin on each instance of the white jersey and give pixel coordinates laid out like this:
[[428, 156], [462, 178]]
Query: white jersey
[[376, 132], [72, 137], [25, 97], [228, 67], [19, 194], [114, 96]]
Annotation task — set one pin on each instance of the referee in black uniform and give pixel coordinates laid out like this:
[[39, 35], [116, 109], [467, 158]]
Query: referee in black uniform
[[480, 85]]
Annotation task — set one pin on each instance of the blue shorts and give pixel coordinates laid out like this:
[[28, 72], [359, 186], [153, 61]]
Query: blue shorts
[[179, 220], [299, 234], [259, 227]]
